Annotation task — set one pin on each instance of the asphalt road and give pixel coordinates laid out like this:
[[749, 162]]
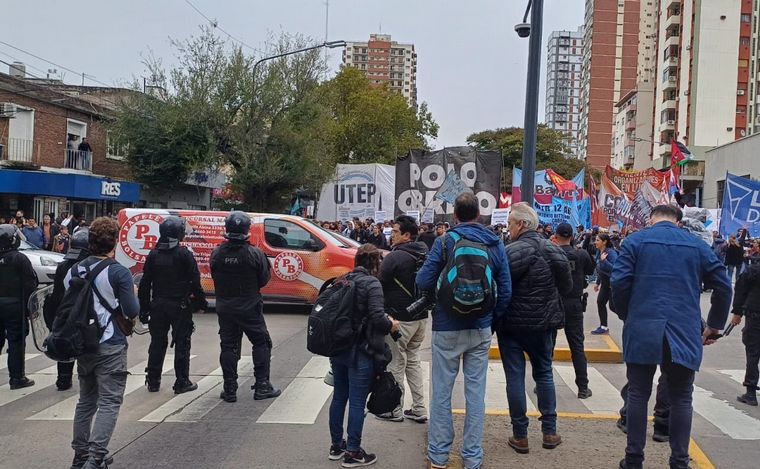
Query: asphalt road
[[197, 430]]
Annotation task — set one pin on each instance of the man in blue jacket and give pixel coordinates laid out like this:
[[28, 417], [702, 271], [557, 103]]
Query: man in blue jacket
[[456, 335], [656, 284]]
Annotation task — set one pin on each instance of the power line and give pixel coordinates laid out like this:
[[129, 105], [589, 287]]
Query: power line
[[215, 24], [19, 60]]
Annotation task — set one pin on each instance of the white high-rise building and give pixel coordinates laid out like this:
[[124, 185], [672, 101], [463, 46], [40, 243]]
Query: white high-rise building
[[563, 84]]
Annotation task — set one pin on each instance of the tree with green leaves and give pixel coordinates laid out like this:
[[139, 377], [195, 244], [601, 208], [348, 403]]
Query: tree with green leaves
[[551, 149]]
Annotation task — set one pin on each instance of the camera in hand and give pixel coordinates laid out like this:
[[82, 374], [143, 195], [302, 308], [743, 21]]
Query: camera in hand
[[421, 304]]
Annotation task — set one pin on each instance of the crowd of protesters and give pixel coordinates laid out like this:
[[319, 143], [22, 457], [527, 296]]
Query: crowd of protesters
[[540, 273], [52, 234]]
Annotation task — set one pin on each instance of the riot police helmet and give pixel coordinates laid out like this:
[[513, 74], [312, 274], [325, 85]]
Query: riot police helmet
[[237, 226], [171, 231], [10, 238], [79, 246]]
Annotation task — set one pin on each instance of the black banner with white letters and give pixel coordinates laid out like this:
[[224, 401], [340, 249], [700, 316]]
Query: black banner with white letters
[[420, 174]]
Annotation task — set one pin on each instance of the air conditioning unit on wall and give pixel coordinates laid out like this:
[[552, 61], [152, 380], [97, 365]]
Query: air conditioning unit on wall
[[7, 109]]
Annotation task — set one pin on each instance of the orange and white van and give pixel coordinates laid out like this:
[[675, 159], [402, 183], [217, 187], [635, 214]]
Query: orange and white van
[[303, 256]]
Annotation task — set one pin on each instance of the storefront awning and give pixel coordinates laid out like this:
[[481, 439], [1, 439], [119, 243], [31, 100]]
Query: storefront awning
[[74, 186]]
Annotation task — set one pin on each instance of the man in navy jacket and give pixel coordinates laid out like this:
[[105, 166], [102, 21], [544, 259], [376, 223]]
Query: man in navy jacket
[[656, 284], [456, 336]]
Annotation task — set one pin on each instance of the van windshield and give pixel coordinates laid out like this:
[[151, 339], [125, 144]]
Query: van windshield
[[333, 238]]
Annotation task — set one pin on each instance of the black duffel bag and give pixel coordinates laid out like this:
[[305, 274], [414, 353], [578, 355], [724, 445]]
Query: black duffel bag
[[385, 394]]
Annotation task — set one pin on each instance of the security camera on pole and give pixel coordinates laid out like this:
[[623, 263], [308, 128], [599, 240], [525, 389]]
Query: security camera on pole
[[532, 30]]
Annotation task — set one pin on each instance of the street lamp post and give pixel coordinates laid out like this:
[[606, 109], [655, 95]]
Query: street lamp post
[[328, 45], [533, 30]]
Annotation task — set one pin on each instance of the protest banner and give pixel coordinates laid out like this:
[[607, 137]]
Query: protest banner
[[741, 206], [357, 190]]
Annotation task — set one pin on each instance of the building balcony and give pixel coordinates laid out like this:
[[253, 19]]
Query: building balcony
[[693, 171], [670, 83], [630, 124], [79, 160], [671, 62], [669, 104], [667, 125], [18, 150], [673, 21], [672, 41]]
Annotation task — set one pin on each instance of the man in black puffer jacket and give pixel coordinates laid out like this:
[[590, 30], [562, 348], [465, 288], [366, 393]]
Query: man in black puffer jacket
[[540, 277]]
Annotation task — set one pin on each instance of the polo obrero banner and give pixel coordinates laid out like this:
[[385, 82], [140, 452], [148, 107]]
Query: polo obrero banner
[[303, 257]]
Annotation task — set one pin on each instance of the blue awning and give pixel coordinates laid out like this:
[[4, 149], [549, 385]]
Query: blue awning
[[74, 186]]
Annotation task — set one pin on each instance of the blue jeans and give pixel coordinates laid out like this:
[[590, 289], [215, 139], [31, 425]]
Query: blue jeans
[[734, 268], [539, 346], [353, 373], [448, 346], [680, 384]]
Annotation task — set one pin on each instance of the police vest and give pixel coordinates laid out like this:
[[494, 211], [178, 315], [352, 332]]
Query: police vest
[[235, 272], [170, 275], [10, 276]]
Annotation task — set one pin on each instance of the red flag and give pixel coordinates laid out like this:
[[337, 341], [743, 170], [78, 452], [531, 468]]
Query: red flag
[[562, 184], [678, 153]]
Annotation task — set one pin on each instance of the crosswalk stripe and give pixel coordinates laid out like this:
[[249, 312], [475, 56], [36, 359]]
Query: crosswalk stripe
[[4, 359], [42, 379], [65, 409], [605, 399], [736, 375], [191, 406], [730, 420], [496, 390], [303, 399]]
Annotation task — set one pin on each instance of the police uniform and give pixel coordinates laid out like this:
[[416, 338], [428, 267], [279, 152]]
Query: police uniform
[[169, 292], [240, 271], [581, 265], [17, 282], [78, 250]]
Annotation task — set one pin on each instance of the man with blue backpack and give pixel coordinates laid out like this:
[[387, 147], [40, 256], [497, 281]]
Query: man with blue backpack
[[468, 270]]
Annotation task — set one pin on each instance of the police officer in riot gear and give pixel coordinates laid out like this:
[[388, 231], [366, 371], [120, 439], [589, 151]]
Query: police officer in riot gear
[[240, 271], [79, 249], [17, 282], [169, 292]]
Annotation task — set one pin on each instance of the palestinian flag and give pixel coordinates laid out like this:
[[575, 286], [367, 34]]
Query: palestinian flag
[[679, 154]]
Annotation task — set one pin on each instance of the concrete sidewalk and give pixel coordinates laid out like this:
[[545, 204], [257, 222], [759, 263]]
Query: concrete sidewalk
[[589, 442]]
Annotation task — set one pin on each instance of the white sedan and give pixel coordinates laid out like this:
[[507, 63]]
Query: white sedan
[[44, 262]]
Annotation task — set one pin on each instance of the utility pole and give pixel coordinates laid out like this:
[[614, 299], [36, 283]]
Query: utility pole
[[536, 8]]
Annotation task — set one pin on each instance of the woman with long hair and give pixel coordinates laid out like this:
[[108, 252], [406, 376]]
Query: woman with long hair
[[606, 256], [354, 370]]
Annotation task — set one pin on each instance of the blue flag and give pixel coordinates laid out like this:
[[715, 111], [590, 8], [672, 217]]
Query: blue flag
[[741, 206]]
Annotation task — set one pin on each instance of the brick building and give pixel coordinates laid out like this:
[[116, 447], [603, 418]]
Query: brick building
[[43, 169]]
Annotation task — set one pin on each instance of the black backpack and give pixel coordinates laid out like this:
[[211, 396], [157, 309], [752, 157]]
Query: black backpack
[[76, 329], [333, 329], [386, 394], [466, 286]]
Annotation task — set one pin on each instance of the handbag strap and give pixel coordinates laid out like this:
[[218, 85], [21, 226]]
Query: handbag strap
[[91, 276]]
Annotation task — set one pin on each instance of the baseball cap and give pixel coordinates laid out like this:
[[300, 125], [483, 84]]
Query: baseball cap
[[564, 230]]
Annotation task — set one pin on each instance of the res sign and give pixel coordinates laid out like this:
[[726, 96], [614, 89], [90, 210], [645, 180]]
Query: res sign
[[110, 189]]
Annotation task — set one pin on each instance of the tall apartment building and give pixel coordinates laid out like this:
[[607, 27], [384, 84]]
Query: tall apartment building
[[563, 84], [385, 61], [610, 67]]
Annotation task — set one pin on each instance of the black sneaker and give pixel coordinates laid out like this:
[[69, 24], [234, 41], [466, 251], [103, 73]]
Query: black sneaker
[[21, 383], [660, 437], [622, 426], [187, 386], [81, 459], [153, 384], [63, 384], [337, 451], [746, 398], [264, 390], [228, 396], [358, 459], [627, 465], [409, 414], [584, 393]]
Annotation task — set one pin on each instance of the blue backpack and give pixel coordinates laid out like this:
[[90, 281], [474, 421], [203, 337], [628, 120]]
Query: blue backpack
[[466, 286]]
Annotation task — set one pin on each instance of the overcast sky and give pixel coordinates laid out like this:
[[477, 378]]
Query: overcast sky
[[471, 64]]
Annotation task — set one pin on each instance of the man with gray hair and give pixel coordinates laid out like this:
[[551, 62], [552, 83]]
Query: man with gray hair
[[540, 275]]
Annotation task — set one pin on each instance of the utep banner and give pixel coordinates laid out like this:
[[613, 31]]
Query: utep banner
[[565, 211], [544, 189], [741, 206], [358, 190], [420, 175]]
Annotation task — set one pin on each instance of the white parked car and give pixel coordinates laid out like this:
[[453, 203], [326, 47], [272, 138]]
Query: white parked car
[[44, 262]]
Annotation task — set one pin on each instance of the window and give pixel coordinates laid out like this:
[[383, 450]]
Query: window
[[744, 41], [746, 18], [287, 235], [116, 148]]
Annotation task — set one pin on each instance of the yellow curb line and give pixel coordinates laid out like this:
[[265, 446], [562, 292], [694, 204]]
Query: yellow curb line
[[594, 355], [695, 452]]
